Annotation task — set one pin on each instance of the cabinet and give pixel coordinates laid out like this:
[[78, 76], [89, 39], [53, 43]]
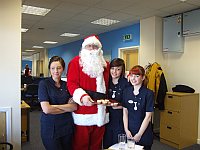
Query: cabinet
[[25, 110], [191, 23], [172, 34], [179, 120]]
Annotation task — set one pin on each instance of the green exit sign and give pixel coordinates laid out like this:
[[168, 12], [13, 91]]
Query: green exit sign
[[127, 37]]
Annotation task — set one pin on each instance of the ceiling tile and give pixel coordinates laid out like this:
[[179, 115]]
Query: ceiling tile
[[96, 12], [75, 16]]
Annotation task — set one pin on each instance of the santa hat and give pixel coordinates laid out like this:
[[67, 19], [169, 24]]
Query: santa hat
[[92, 39]]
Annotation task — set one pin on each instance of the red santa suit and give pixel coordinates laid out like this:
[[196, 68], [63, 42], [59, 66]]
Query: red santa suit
[[89, 120]]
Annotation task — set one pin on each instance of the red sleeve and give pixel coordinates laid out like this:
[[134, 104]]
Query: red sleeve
[[106, 75], [73, 75]]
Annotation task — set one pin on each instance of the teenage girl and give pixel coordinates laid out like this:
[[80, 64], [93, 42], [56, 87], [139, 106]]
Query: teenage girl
[[117, 84], [138, 103]]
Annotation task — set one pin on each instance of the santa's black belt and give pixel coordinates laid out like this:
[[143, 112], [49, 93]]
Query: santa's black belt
[[96, 95]]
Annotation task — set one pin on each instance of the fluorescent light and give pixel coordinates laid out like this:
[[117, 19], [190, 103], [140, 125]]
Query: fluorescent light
[[37, 47], [27, 58], [24, 30], [105, 22], [69, 34], [34, 10], [50, 42], [29, 50]]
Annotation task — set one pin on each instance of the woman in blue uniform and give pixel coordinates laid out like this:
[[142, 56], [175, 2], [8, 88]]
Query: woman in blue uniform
[[56, 118], [138, 103], [117, 83]]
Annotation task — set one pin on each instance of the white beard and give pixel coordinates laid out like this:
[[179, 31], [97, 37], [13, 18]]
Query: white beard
[[92, 62]]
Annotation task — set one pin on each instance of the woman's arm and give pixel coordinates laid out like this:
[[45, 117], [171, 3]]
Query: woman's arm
[[143, 126], [57, 109], [125, 121], [67, 107]]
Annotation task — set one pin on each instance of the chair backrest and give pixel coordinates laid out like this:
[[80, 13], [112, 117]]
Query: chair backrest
[[32, 89], [26, 79], [6, 144], [36, 80]]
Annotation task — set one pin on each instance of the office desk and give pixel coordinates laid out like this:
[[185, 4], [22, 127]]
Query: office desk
[[25, 121], [116, 147]]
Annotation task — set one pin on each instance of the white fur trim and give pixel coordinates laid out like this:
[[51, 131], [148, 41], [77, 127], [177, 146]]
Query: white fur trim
[[77, 95], [102, 116], [101, 88], [91, 40], [99, 119]]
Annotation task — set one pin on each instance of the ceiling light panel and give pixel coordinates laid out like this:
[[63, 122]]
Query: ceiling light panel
[[24, 30], [29, 50], [50, 42], [38, 47], [105, 22], [34, 10], [70, 34]]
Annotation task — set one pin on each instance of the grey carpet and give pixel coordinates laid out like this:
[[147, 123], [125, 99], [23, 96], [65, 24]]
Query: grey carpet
[[35, 142]]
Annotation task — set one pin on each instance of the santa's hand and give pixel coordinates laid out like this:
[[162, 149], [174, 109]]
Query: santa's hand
[[87, 101]]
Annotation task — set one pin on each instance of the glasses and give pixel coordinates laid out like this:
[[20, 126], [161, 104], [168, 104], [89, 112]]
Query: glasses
[[121, 141], [91, 46], [130, 143]]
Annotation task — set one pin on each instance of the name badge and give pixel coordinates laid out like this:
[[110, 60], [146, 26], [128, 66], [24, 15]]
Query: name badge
[[130, 101]]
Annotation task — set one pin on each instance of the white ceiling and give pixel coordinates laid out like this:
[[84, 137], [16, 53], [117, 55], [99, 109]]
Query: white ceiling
[[74, 16]]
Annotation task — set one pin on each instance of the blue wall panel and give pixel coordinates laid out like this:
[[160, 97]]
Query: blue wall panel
[[111, 42], [114, 40], [67, 51]]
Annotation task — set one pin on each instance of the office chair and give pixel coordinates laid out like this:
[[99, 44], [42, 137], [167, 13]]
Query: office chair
[[5, 145], [28, 80], [31, 95]]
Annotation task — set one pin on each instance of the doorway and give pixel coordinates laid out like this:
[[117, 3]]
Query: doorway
[[130, 56]]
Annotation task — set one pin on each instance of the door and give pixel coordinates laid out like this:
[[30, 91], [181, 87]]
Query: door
[[130, 56]]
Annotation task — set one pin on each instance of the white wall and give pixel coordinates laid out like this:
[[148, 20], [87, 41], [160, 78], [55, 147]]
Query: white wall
[[184, 68], [147, 41], [179, 68], [10, 48]]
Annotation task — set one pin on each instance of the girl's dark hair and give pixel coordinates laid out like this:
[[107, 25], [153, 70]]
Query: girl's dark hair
[[116, 62], [57, 58]]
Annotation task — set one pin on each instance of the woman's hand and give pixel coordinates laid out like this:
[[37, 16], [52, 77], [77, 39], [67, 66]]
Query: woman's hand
[[71, 101], [128, 134], [137, 137]]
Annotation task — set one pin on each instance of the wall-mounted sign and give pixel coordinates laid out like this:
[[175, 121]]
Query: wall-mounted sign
[[127, 37]]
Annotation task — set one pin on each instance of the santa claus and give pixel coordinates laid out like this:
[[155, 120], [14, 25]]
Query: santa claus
[[87, 81]]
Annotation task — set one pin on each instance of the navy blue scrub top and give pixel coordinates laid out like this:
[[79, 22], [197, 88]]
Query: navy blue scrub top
[[55, 125], [115, 92], [137, 106]]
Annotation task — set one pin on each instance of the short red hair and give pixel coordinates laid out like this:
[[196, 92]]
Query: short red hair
[[138, 70]]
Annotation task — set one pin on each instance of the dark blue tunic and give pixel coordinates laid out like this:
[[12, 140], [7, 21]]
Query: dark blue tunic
[[115, 125], [54, 126], [137, 106]]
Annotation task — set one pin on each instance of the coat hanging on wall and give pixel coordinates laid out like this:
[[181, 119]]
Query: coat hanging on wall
[[157, 83]]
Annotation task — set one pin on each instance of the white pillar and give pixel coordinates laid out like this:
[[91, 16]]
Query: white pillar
[[10, 49]]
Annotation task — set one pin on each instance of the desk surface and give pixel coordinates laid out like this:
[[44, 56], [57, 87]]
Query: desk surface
[[116, 147], [24, 105]]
